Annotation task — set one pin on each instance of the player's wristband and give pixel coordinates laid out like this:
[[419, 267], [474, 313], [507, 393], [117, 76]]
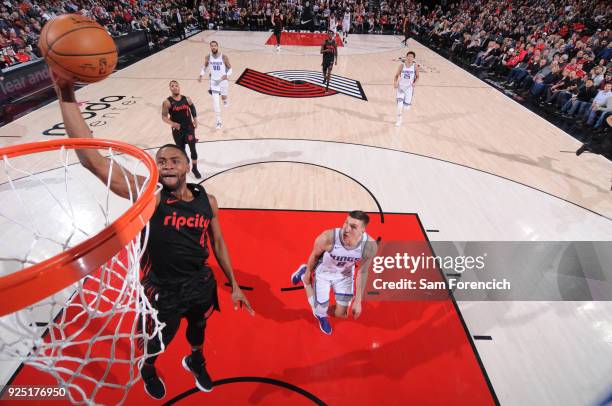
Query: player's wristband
[[228, 73]]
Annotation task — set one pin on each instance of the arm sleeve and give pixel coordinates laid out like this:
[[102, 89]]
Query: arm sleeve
[[192, 108]]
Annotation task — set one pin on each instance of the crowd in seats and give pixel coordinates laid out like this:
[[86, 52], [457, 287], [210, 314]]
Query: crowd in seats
[[298, 14], [554, 56], [22, 22]]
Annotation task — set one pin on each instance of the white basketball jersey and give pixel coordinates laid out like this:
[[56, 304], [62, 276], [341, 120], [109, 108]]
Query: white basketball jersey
[[407, 75], [341, 260], [217, 67], [332, 23], [347, 18]]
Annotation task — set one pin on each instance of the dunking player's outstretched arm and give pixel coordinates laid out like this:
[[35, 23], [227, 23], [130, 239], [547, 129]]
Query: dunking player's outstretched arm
[[91, 159], [166, 115], [323, 242], [204, 67], [369, 252], [220, 250]]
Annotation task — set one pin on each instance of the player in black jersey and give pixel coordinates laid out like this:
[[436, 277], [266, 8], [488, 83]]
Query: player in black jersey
[[329, 50], [406, 29], [277, 22], [177, 278], [180, 112]]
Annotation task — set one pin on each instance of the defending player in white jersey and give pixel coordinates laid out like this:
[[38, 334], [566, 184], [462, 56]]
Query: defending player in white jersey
[[405, 78], [346, 25], [333, 24], [332, 264], [219, 70]]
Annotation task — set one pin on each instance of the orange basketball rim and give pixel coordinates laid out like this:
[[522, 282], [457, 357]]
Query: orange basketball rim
[[32, 284]]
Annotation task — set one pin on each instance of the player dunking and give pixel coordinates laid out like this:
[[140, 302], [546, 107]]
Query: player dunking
[[277, 22], [332, 264], [180, 113], [177, 279], [220, 71], [346, 25], [330, 56], [405, 78]]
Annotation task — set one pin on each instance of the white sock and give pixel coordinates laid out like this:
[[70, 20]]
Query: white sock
[[320, 310], [400, 107]]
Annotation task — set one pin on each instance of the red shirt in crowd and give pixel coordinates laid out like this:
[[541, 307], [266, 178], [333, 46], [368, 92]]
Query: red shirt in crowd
[[21, 57], [517, 58]]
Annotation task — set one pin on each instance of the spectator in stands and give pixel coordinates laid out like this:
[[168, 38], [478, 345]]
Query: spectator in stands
[[544, 82], [359, 23], [517, 73], [580, 102], [599, 106], [178, 23], [606, 53], [486, 58], [542, 68], [21, 56], [371, 24], [560, 86], [607, 79], [597, 75], [604, 111]]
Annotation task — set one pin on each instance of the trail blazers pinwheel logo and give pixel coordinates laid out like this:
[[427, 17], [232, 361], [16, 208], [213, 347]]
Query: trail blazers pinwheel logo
[[299, 84]]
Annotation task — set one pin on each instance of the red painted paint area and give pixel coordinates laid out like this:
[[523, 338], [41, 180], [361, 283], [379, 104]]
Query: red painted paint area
[[396, 353], [268, 84], [304, 39]]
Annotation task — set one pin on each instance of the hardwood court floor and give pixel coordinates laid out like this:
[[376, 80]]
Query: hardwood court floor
[[455, 116], [340, 153]]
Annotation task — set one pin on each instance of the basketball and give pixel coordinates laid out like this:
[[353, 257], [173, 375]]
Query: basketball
[[78, 48]]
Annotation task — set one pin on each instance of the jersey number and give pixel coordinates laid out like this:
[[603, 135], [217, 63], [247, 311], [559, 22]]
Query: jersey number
[[340, 263], [216, 67]]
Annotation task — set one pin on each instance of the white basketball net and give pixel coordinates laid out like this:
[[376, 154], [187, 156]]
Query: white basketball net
[[92, 336]]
